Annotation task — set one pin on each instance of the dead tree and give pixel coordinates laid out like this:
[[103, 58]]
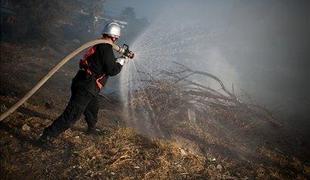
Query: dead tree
[[168, 98]]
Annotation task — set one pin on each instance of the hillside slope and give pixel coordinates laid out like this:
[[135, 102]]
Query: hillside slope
[[193, 151]]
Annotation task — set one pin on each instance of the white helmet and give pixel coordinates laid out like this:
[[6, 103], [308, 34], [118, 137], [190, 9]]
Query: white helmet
[[112, 29]]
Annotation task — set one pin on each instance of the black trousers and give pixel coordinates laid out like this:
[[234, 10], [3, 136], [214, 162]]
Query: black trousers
[[81, 102]]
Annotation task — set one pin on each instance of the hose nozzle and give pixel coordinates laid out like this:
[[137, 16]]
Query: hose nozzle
[[125, 51]]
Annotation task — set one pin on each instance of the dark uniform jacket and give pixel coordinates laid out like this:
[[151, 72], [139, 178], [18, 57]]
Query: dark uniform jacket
[[101, 62]]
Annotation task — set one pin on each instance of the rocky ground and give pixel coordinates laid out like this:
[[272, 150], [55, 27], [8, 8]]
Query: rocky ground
[[121, 152]]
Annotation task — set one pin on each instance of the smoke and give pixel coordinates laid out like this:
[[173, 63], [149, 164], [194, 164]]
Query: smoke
[[260, 47]]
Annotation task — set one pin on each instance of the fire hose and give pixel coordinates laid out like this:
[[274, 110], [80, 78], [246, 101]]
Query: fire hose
[[122, 50]]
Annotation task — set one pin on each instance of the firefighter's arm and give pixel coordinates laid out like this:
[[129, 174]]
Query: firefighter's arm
[[111, 67]]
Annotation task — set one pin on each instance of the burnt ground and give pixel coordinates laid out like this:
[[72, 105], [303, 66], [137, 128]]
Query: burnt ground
[[121, 152]]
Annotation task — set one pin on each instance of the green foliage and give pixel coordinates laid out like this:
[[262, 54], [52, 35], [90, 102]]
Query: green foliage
[[135, 25], [46, 20]]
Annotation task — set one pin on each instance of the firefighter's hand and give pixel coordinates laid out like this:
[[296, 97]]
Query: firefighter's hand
[[122, 60]]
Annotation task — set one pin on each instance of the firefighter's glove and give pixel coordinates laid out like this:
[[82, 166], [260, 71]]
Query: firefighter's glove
[[122, 60]]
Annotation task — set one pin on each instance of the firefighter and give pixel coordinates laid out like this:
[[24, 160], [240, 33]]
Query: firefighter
[[96, 66]]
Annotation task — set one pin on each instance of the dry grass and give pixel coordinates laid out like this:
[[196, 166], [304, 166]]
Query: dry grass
[[222, 142], [119, 154]]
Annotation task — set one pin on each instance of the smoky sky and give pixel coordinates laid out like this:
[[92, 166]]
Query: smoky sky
[[265, 43]]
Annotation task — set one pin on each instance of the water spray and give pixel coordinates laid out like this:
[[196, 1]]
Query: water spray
[[122, 50]]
